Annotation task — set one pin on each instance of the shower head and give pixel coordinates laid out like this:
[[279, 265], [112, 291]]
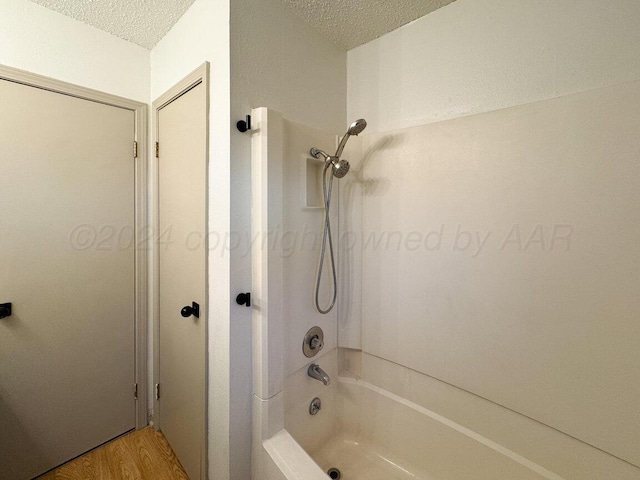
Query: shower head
[[357, 127], [340, 167], [354, 129]]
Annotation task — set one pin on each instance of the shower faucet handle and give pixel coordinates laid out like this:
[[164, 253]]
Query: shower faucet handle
[[313, 342], [316, 343]]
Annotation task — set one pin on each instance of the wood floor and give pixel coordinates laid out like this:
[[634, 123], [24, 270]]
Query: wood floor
[[141, 455]]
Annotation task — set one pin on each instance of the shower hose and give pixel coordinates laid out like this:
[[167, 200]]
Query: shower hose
[[326, 193]]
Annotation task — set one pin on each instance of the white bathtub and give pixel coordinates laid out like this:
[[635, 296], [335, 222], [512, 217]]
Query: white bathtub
[[410, 426], [369, 433]]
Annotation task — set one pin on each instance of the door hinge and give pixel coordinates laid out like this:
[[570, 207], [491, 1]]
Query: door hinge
[[157, 150], [135, 391], [157, 391], [135, 149]]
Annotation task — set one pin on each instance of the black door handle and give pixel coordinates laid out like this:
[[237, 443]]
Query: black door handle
[[244, 299], [194, 310], [5, 310]]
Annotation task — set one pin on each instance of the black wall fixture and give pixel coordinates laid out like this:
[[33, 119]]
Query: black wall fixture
[[5, 310], [244, 125]]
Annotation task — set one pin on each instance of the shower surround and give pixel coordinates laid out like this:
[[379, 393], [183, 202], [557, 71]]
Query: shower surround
[[486, 279]]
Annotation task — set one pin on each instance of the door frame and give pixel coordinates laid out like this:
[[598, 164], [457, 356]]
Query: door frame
[[141, 237], [199, 76]]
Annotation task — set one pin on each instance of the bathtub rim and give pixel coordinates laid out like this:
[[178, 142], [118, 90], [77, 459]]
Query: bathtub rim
[[495, 446], [296, 463]]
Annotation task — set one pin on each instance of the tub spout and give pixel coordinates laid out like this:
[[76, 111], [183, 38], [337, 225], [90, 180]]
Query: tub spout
[[316, 372]]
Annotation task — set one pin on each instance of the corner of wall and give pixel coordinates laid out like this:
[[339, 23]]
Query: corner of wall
[[48, 43]]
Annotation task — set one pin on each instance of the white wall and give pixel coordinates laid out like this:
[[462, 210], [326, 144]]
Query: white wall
[[277, 61], [475, 56], [202, 34], [505, 261], [41, 41]]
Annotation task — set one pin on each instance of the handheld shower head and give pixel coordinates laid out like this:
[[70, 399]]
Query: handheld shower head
[[355, 129], [339, 168]]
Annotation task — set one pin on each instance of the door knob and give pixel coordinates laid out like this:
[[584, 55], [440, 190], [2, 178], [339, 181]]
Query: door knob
[[244, 299], [194, 310], [5, 310]]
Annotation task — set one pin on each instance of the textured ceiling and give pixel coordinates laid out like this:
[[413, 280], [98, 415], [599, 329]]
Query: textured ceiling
[[349, 23], [143, 22]]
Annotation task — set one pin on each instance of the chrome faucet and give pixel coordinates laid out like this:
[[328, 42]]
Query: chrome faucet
[[316, 372]]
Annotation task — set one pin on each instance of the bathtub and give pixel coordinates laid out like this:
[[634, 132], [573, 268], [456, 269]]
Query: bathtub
[[366, 432], [389, 422]]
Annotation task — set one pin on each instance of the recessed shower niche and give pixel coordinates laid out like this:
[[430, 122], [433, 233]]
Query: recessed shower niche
[[312, 181]]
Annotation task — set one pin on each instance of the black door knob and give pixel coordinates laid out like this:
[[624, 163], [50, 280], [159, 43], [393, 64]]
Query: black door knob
[[5, 310], [244, 299], [194, 310]]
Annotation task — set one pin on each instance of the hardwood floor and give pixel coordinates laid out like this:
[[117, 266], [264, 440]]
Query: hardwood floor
[[141, 455]]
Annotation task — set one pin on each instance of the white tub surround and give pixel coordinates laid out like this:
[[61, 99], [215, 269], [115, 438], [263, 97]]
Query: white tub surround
[[544, 446], [285, 241], [499, 255], [534, 324]]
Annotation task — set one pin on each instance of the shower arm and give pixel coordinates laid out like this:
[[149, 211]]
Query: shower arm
[[315, 152]]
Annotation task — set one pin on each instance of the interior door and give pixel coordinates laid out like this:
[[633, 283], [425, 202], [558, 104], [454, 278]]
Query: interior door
[[67, 266], [182, 172]]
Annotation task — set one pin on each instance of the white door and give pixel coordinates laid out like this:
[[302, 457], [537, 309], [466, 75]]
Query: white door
[[67, 267], [182, 171]]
